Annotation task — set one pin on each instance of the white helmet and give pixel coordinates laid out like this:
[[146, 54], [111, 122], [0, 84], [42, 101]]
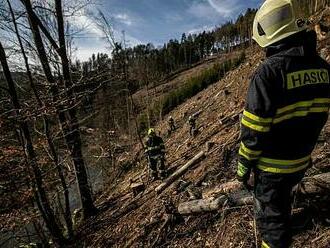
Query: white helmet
[[277, 20]]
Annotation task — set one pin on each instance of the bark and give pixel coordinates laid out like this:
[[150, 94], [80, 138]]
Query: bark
[[53, 152], [41, 196], [200, 156]]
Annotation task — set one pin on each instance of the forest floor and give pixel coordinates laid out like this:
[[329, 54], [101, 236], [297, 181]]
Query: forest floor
[[151, 220]]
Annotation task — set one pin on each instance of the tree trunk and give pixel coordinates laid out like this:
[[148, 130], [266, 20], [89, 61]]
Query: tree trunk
[[200, 156], [70, 128], [51, 145], [212, 204], [41, 196], [74, 137]]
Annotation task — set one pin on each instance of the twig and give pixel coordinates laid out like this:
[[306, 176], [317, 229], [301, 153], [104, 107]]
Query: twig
[[320, 237], [161, 231], [255, 231]]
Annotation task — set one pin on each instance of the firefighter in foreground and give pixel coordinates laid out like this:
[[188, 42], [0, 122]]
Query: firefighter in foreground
[[155, 151], [287, 106]]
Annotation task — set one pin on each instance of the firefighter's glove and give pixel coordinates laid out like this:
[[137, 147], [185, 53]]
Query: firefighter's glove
[[243, 174]]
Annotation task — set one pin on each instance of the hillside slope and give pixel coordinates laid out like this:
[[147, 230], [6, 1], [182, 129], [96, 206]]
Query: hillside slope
[[142, 221], [143, 97]]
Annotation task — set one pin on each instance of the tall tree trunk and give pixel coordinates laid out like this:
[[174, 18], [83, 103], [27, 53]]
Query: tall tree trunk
[[70, 127], [76, 152], [67, 215], [41, 196]]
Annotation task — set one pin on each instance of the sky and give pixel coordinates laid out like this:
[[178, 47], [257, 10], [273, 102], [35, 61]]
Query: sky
[[154, 21]]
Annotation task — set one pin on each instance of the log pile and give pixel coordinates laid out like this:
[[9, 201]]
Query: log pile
[[232, 194]]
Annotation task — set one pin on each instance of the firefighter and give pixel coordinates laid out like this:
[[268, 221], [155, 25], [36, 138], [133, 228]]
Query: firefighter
[[286, 107], [155, 151], [171, 123], [192, 125]]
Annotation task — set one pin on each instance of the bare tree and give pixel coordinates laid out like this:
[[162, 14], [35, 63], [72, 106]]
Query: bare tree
[[40, 193], [53, 152], [69, 122]]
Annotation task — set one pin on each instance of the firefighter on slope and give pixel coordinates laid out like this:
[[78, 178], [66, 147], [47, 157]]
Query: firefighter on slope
[[155, 151], [171, 123], [192, 125], [287, 105]]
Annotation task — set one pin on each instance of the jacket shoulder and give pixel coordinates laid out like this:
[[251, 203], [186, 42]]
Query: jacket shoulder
[[268, 70]]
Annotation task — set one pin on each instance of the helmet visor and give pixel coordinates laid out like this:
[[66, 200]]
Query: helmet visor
[[277, 19]]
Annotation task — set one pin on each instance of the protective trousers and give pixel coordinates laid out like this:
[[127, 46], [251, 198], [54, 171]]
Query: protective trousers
[[273, 199], [157, 166]]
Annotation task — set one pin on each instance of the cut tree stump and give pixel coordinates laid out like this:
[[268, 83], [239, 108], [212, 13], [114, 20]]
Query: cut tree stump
[[179, 172], [309, 185]]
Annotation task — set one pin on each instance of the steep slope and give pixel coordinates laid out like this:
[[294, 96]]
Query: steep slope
[[143, 221], [143, 97]]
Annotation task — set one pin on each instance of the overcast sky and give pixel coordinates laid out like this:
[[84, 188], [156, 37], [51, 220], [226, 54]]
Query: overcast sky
[[157, 21]]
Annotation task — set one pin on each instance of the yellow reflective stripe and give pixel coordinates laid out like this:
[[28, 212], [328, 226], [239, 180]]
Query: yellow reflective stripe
[[264, 245], [285, 162], [241, 169], [284, 171], [257, 118], [283, 166], [255, 127], [300, 109], [319, 109], [248, 150], [242, 153], [248, 153], [300, 114], [321, 100], [303, 104]]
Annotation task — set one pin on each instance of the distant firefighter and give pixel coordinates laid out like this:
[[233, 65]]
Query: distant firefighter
[[171, 124], [155, 151], [192, 125]]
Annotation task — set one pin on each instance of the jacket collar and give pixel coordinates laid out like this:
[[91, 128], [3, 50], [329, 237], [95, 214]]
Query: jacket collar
[[298, 45]]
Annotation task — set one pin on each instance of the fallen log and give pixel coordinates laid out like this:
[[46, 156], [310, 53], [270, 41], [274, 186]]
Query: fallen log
[[200, 156], [315, 184], [224, 188], [309, 185], [212, 204]]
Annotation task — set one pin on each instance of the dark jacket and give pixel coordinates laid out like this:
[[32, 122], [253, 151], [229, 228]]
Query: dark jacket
[[287, 106], [155, 146]]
